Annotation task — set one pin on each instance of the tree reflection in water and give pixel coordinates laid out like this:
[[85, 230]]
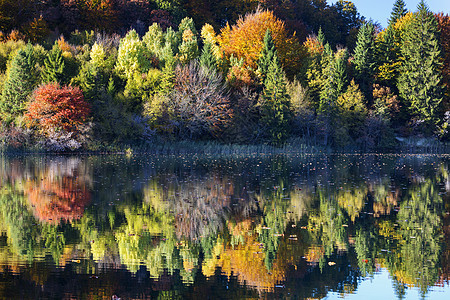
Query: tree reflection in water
[[262, 225]]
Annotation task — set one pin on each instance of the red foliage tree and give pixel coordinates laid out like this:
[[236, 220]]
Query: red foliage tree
[[57, 108]]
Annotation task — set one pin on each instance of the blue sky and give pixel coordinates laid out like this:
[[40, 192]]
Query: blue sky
[[380, 10]]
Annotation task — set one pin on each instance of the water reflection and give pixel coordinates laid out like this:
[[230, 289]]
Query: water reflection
[[147, 227]]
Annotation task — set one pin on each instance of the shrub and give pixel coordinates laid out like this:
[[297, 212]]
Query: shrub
[[200, 101], [54, 107]]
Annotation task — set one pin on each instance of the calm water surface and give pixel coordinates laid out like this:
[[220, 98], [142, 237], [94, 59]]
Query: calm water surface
[[160, 227]]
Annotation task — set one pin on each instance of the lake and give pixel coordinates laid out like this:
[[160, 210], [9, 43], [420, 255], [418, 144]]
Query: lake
[[225, 227]]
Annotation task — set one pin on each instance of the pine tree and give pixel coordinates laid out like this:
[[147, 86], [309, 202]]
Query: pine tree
[[398, 11], [364, 59], [420, 82], [207, 58], [315, 64], [276, 108], [335, 79], [267, 54], [21, 81], [54, 66], [321, 36]]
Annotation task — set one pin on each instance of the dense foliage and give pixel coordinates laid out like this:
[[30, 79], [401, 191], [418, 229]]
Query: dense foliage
[[264, 72]]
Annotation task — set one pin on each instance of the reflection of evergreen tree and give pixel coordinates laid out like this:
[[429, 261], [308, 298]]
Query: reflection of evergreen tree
[[420, 226], [327, 224], [22, 232], [399, 288], [54, 240], [365, 242]]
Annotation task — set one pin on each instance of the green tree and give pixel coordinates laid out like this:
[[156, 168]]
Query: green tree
[[334, 79], [21, 80], [266, 58], [276, 105], [364, 59], [54, 66], [398, 11], [315, 66], [132, 56], [207, 58], [420, 81]]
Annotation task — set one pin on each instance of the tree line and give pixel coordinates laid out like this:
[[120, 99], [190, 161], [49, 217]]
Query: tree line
[[268, 75]]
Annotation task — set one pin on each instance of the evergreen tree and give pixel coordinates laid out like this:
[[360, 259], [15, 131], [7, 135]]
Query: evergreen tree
[[187, 34], [276, 107], [398, 11], [315, 64], [54, 66], [22, 79], [335, 79], [267, 55], [420, 82], [207, 58], [364, 59], [320, 36]]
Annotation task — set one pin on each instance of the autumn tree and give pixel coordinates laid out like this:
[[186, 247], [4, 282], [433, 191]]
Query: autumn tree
[[98, 14], [132, 56], [199, 101], [22, 79], [15, 13], [420, 82], [54, 107], [246, 39]]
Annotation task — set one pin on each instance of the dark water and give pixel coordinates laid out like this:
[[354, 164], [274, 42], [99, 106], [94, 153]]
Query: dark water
[[152, 227]]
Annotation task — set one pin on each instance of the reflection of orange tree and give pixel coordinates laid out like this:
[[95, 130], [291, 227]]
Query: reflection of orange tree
[[247, 259], [55, 198]]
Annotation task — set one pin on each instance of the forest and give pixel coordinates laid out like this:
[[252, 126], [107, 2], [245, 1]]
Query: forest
[[88, 74]]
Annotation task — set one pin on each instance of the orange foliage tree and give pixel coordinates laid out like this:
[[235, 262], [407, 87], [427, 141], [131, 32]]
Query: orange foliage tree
[[245, 41], [57, 108]]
